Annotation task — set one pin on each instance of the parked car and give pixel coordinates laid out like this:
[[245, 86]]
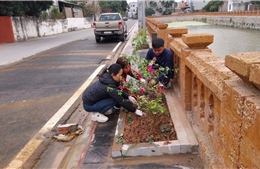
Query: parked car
[[188, 10], [110, 25]]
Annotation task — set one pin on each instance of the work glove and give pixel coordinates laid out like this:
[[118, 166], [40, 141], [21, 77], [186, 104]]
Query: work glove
[[143, 81], [152, 82], [139, 112], [132, 99]]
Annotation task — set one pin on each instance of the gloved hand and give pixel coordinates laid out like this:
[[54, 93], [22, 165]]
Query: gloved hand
[[152, 82], [139, 112], [143, 81], [132, 99]]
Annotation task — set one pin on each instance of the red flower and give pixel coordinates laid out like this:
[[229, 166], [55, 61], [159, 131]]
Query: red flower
[[141, 90], [120, 87], [149, 69], [160, 89]]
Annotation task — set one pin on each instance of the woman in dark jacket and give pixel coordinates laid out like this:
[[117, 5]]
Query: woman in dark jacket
[[103, 94]]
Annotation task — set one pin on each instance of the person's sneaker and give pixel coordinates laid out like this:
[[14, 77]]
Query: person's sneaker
[[99, 117], [110, 111]]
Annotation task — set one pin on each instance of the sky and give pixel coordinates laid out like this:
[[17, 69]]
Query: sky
[[128, 1]]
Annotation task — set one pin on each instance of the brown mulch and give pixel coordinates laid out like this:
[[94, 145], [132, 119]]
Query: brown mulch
[[152, 128]]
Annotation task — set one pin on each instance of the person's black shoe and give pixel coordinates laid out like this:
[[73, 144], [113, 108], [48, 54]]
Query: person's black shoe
[[116, 109]]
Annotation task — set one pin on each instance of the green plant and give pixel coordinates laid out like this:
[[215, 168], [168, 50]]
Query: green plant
[[164, 128], [55, 14], [119, 138], [129, 118], [140, 41], [149, 139], [150, 97]]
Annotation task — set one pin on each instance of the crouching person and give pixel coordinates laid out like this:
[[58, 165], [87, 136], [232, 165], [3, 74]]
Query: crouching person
[[104, 94]]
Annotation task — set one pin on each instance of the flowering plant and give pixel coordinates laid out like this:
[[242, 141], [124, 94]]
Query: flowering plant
[[149, 96]]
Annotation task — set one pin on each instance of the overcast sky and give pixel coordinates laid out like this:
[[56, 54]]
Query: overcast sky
[[128, 1]]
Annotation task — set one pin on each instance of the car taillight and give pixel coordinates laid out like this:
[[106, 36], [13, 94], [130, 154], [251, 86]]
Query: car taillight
[[120, 25], [94, 26]]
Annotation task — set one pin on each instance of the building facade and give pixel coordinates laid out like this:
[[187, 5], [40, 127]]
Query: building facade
[[132, 12]]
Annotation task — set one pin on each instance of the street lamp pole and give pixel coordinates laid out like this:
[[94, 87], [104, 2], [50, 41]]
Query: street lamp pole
[[143, 12]]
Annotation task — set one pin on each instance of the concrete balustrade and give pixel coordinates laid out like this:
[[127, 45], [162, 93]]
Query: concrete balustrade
[[233, 13], [221, 97], [246, 66]]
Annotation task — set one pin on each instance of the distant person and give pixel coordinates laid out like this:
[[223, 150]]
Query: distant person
[[128, 71], [103, 94], [162, 58]]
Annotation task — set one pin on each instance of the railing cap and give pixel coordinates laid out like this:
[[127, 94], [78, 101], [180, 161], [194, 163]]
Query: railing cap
[[200, 41]]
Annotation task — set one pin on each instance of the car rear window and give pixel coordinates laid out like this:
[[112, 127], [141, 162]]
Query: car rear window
[[109, 17]]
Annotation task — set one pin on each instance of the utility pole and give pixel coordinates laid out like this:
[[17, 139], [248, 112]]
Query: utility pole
[[141, 14]]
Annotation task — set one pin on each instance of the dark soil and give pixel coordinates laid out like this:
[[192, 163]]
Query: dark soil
[[152, 128]]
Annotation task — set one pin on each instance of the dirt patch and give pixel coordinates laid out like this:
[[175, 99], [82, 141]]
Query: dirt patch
[[156, 127]]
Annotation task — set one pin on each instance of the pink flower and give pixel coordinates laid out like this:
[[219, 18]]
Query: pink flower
[[141, 90], [149, 69], [160, 89], [120, 87]]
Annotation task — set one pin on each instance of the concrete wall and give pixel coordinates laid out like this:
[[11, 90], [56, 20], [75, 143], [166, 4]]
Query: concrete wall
[[221, 97], [28, 27], [237, 21]]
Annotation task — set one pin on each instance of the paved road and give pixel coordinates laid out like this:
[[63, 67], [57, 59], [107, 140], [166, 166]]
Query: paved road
[[33, 90]]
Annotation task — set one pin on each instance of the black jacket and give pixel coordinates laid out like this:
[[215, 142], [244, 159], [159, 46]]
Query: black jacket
[[106, 88]]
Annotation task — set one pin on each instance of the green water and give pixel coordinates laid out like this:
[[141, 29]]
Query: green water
[[227, 40]]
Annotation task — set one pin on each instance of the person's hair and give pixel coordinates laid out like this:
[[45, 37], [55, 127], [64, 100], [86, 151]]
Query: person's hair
[[157, 43], [122, 61], [114, 68]]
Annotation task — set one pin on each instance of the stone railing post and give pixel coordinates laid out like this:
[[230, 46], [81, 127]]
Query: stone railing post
[[162, 31], [195, 42], [151, 27], [176, 33]]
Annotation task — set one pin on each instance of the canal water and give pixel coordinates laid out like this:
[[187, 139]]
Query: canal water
[[227, 40]]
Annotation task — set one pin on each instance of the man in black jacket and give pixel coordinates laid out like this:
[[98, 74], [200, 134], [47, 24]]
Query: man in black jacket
[[162, 61], [105, 94]]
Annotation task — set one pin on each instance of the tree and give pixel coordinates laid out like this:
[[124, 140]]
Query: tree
[[149, 12], [256, 4], [212, 6], [113, 6], [88, 9], [24, 8], [124, 5]]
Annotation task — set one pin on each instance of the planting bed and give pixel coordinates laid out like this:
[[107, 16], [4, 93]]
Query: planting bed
[[142, 129], [138, 140]]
